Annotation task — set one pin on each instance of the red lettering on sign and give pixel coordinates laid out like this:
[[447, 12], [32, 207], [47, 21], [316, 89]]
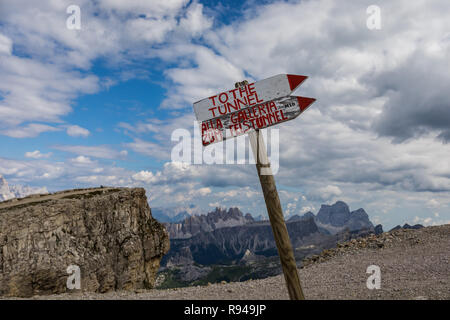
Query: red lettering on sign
[[231, 106], [234, 93], [251, 89], [221, 95], [224, 109], [250, 100], [242, 90], [272, 106], [257, 99], [241, 103], [213, 98], [212, 110]]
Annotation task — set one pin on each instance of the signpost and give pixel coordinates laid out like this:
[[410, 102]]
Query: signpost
[[250, 107], [246, 109]]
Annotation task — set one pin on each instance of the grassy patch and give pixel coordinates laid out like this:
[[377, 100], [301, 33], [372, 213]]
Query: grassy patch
[[172, 280], [225, 273]]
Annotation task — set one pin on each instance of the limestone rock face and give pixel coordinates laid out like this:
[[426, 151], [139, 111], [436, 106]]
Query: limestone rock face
[[337, 217], [217, 219], [108, 233]]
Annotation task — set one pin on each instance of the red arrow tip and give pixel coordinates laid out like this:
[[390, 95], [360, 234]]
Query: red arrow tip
[[295, 80], [305, 102]]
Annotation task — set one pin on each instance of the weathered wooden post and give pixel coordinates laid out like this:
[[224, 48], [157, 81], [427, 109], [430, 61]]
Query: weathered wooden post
[[256, 106], [275, 212]]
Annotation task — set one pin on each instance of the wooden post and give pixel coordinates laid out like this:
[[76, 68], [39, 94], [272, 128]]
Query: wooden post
[[275, 212], [276, 218]]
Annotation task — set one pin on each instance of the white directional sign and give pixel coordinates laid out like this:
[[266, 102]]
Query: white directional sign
[[252, 94], [255, 117], [253, 106]]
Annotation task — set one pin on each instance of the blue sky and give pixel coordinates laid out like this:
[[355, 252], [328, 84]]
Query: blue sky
[[97, 106]]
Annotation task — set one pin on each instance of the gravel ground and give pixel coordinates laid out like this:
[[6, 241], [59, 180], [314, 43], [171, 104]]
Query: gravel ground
[[414, 264]]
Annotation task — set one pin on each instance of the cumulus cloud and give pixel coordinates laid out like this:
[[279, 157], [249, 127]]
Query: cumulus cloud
[[146, 177], [77, 131], [37, 155], [195, 83], [29, 131], [82, 160], [326, 193], [195, 21], [32, 89]]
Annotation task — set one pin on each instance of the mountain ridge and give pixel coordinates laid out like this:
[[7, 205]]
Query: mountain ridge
[[226, 244]]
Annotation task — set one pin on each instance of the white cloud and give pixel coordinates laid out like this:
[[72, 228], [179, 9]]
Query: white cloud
[[144, 176], [102, 152], [433, 203], [41, 84], [148, 148], [192, 84], [77, 131], [82, 160], [195, 22], [35, 91], [424, 221], [37, 155], [5, 45], [307, 209], [154, 8], [29, 131], [202, 191], [214, 204], [326, 193]]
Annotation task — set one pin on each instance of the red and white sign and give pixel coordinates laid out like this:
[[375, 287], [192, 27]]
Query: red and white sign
[[255, 93], [257, 105]]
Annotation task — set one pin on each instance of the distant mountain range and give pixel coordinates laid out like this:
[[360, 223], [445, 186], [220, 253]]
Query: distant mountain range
[[17, 191], [407, 226], [217, 219], [229, 237], [330, 219]]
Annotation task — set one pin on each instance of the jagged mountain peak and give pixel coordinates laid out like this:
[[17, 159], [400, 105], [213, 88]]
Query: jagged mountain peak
[[338, 216], [8, 191], [216, 219]]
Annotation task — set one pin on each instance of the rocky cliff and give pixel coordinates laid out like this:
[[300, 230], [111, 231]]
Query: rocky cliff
[[108, 233]]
